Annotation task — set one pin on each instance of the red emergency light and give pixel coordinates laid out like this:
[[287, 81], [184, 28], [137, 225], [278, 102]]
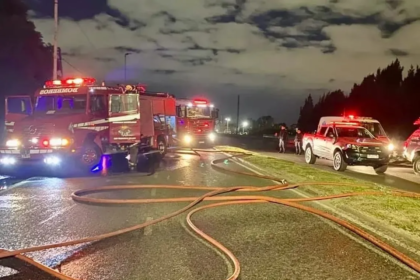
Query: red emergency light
[[70, 82], [200, 101]]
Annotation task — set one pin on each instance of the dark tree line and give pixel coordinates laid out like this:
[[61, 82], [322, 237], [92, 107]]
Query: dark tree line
[[25, 60], [387, 96]]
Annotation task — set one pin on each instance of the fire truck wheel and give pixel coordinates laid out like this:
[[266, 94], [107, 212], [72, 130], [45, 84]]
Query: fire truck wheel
[[416, 165], [91, 155], [338, 161], [162, 145], [380, 169], [310, 158]]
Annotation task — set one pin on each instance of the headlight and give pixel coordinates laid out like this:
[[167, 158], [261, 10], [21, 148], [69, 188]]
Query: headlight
[[212, 136], [187, 139], [12, 143], [391, 147], [351, 146]]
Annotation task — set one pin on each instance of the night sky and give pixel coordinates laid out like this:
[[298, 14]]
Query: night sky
[[271, 52]]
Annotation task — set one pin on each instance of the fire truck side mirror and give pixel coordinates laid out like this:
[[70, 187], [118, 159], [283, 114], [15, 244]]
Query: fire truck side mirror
[[215, 113], [178, 111]]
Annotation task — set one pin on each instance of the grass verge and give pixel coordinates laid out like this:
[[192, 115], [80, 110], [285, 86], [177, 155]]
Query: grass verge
[[402, 213]]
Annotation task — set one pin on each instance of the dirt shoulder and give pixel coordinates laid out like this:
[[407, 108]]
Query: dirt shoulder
[[396, 219]]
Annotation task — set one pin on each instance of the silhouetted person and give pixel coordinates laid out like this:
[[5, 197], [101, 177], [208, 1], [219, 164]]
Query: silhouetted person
[[298, 141], [282, 139]]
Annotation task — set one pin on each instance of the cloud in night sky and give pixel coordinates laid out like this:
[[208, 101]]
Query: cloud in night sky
[[272, 52]]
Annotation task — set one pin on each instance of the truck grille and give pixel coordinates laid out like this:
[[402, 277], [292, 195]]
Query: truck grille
[[371, 150], [38, 130]]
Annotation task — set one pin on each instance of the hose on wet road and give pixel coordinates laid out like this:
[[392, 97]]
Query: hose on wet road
[[215, 194]]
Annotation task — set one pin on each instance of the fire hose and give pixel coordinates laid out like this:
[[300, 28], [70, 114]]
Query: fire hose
[[215, 194]]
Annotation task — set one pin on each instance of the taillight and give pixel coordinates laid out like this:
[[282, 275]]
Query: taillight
[[45, 143]]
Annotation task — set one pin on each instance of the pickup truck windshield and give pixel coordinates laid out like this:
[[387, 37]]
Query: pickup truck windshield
[[374, 128], [60, 104], [356, 132]]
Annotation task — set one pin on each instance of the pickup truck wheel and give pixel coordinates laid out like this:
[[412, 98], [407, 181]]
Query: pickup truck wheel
[[381, 169], [416, 165], [338, 161], [310, 158]]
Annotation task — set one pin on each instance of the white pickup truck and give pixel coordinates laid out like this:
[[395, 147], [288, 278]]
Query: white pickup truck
[[346, 144]]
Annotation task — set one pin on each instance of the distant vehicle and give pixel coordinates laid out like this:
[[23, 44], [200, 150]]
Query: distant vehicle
[[411, 149], [196, 122], [346, 144], [77, 120]]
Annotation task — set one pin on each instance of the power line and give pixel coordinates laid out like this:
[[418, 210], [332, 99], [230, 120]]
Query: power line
[[86, 36], [77, 70]]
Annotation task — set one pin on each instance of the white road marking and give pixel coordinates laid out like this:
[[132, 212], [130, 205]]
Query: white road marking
[[338, 213], [58, 213], [148, 230]]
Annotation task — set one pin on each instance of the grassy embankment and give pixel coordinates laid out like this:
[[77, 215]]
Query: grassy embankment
[[400, 212]]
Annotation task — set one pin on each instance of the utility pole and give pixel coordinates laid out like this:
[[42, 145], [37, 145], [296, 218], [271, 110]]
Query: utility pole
[[237, 115], [125, 67], [55, 47]]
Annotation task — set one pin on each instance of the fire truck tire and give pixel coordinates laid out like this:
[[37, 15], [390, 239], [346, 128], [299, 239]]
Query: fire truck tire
[[310, 158], [416, 165], [90, 156], [381, 169], [161, 144], [338, 161]]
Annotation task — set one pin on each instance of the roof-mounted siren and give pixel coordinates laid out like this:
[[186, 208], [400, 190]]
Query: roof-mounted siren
[[417, 122], [70, 82]]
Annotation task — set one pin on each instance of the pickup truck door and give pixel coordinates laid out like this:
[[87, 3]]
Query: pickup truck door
[[328, 143], [318, 143]]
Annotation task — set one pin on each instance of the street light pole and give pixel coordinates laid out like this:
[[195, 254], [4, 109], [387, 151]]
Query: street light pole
[[227, 124], [125, 66], [55, 47]]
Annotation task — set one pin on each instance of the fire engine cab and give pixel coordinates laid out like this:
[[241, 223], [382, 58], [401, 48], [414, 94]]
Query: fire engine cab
[[76, 119], [196, 121]]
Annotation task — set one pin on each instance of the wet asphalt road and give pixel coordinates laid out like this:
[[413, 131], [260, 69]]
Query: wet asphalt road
[[271, 242], [402, 178]]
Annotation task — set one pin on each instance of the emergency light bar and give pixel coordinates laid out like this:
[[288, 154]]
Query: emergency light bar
[[70, 82], [344, 123]]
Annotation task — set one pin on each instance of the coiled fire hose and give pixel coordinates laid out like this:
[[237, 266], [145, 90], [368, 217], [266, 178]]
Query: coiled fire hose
[[214, 194]]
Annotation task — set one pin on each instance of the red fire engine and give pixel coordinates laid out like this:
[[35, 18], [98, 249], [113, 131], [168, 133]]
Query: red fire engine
[[196, 121], [76, 119]]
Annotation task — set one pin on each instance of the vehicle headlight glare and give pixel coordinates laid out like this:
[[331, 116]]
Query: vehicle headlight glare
[[391, 147], [187, 139], [212, 136], [12, 143]]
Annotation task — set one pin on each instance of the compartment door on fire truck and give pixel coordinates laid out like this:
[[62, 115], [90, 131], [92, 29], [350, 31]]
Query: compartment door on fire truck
[[17, 108], [124, 118]]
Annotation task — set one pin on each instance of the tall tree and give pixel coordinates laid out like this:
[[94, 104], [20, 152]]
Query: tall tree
[[306, 115], [25, 60]]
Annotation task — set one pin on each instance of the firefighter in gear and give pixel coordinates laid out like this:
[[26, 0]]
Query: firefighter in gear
[[282, 139]]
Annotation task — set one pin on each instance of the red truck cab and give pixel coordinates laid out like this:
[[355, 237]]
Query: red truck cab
[[77, 120], [346, 144], [196, 121]]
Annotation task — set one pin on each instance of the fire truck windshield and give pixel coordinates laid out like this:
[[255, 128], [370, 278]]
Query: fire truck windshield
[[198, 112], [356, 132], [60, 104]]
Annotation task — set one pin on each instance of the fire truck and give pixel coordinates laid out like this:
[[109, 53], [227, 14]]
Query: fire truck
[[196, 120], [76, 119]]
